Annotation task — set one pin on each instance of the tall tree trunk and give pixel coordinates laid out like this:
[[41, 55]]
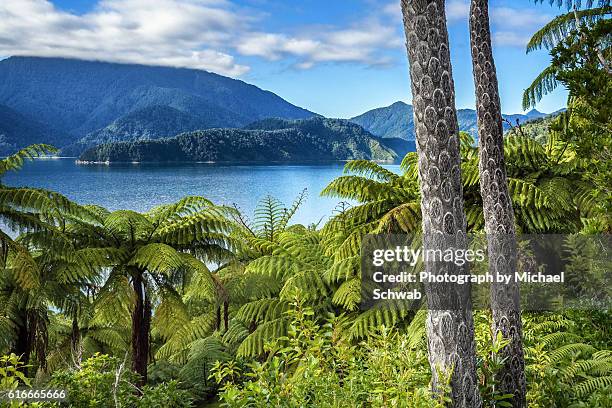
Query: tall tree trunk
[[25, 340], [497, 205], [226, 315], [141, 324], [450, 332], [75, 335]]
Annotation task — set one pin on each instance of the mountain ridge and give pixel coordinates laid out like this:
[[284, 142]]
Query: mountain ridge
[[76, 97], [396, 120]]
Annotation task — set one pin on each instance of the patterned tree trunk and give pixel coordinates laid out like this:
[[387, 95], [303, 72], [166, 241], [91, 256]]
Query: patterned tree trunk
[[450, 332], [497, 205]]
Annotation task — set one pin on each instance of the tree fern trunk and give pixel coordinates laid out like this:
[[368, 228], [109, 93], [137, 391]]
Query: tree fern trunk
[[497, 205], [25, 340], [141, 323], [75, 335], [226, 315], [450, 332]]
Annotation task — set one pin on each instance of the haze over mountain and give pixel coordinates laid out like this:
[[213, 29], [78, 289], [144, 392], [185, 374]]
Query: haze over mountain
[[73, 98], [315, 139], [396, 120]]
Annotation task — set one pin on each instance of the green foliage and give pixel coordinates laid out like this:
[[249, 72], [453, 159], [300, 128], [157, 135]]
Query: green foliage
[[104, 381], [490, 362], [562, 370], [12, 373], [313, 365], [579, 44]]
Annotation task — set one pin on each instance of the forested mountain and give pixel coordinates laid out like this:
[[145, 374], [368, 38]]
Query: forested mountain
[[153, 122], [77, 97], [396, 120], [17, 131], [315, 139]]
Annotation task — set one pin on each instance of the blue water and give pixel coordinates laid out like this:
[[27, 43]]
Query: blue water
[[142, 186]]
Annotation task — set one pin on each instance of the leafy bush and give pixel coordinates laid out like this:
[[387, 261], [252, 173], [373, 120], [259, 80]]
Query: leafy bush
[[104, 381], [315, 366], [12, 372]]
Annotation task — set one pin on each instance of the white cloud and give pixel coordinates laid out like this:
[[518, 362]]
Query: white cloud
[[510, 38], [166, 32], [361, 45], [202, 34], [457, 10], [509, 26], [518, 18]]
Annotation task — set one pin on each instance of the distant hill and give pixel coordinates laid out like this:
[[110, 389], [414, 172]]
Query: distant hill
[[76, 97], [315, 139], [17, 131], [396, 120], [537, 129], [153, 122]]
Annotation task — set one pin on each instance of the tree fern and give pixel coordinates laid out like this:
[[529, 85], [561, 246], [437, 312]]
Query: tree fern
[[561, 26]]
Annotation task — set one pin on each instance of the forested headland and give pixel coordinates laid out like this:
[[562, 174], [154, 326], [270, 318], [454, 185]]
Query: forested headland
[[269, 140]]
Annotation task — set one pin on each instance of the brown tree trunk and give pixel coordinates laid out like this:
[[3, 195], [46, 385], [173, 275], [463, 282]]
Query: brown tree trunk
[[75, 336], [24, 344], [141, 324], [450, 332], [226, 315], [497, 205]]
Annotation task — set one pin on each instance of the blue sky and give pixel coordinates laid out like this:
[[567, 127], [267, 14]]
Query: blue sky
[[338, 58]]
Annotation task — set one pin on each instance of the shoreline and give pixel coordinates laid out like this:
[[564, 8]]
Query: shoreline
[[245, 162]]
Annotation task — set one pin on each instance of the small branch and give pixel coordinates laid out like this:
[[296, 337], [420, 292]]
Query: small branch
[[242, 220], [117, 379], [514, 128]]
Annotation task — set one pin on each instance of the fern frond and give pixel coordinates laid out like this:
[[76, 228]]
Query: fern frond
[[276, 266], [592, 385], [308, 282], [343, 270], [198, 327], [361, 189], [348, 295], [404, 218], [171, 314], [15, 161], [253, 345], [156, 257], [387, 314], [262, 310], [569, 350], [561, 26], [543, 84], [288, 213], [369, 169]]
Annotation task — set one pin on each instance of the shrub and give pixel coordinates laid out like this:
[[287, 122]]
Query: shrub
[[103, 381]]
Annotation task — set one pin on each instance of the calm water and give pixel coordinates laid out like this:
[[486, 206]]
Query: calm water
[[142, 186]]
